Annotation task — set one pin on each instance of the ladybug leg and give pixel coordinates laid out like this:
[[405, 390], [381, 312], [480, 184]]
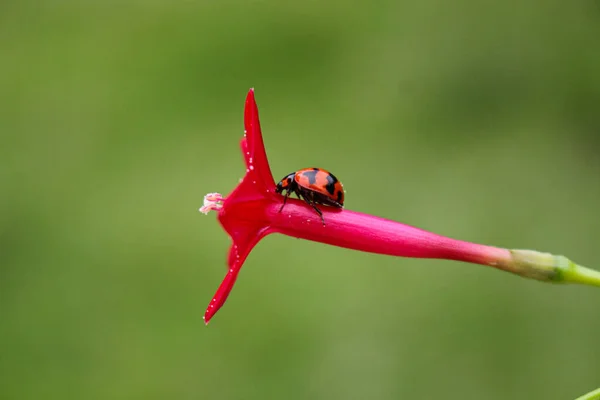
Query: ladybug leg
[[287, 194], [310, 202], [320, 213]]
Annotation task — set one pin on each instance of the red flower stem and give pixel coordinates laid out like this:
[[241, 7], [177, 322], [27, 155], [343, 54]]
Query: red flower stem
[[371, 234]]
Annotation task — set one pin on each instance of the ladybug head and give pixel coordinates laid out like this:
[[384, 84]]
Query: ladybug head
[[285, 183]]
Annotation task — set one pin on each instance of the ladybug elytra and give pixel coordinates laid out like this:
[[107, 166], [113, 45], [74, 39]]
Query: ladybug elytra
[[314, 186]]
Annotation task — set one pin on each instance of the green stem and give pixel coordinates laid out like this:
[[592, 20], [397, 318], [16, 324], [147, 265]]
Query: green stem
[[595, 395], [548, 268], [577, 274]]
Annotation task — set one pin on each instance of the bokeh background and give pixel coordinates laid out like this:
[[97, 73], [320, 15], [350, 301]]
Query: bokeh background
[[476, 120]]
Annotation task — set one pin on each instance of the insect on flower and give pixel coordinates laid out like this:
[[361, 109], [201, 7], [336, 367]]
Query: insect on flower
[[252, 211], [314, 186]]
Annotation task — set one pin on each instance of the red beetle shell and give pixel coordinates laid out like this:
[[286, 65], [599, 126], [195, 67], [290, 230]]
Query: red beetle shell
[[315, 186], [323, 182]]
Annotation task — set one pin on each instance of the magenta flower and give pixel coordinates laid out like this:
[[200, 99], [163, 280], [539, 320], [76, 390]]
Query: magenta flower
[[251, 211]]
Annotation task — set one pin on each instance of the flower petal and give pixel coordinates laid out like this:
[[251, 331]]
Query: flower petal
[[244, 240], [253, 148]]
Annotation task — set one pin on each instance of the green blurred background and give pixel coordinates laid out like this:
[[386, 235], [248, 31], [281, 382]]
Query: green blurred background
[[476, 120]]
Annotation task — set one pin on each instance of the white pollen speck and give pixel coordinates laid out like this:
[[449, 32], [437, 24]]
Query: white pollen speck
[[247, 170], [252, 167], [211, 306], [267, 190], [250, 160], [253, 181], [230, 269]]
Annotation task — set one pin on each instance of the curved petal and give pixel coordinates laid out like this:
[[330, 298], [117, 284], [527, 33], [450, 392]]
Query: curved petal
[[253, 147], [244, 240]]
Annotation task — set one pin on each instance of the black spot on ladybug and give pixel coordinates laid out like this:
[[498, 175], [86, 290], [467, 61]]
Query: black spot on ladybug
[[339, 197], [331, 181], [330, 188], [311, 176]]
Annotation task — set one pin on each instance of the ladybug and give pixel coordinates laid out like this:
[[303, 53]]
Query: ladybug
[[314, 186]]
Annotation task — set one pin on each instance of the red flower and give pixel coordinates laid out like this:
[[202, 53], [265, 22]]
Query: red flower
[[251, 212]]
